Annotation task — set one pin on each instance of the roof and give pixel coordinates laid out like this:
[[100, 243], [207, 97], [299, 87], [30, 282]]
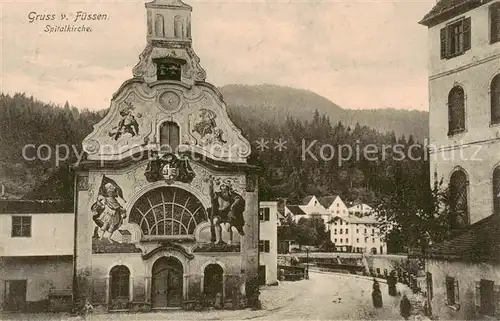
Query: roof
[[447, 9], [35, 206], [358, 220], [295, 210], [480, 242], [326, 201], [307, 199]]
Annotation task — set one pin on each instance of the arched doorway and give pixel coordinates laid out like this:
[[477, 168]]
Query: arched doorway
[[119, 284], [167, 283], [213, 282]]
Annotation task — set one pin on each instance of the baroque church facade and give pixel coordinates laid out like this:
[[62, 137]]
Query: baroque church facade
[[166, 203]]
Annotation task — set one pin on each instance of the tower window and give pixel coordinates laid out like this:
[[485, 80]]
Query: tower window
[[169, 137], [159, 26], [168, 70]]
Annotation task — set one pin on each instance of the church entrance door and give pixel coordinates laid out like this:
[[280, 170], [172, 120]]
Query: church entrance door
[[167, 283]]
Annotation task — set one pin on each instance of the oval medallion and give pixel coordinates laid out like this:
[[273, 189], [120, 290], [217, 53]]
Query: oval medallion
[[169, 100]]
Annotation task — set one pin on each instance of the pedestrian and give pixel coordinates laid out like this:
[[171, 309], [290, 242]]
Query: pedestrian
[[391, 282], [87, 309], [405, 307], [376, 295]]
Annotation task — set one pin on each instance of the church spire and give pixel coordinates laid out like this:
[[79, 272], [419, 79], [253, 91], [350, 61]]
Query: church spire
[[169, 54]]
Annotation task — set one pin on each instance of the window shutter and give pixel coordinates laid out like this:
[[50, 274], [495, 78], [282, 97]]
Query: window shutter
[[467, 34], [496, 299], [443, 43], [457, 296], [477, 295]]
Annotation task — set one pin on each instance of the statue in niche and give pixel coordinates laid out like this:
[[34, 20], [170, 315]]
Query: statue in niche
[[206, 127], [128, 124], [170, 168], [227, 208], [108, 213]]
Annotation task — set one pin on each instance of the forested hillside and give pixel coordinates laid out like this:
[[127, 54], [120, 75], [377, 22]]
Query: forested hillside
[[275, 103], [286, 173]]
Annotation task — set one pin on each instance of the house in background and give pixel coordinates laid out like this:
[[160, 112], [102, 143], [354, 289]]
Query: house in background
[[36, 255], [357, 234], [360, 209], [268, 242], [463, 273], [334, 205], [311, 207]]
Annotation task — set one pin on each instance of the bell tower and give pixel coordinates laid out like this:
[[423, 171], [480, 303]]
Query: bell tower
[[169, 54]]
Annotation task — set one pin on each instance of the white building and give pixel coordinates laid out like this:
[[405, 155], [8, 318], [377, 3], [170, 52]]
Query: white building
[[360, 209], [268, 242], [334, 205], [464, 103], [309, 208], [357, 234], [36, 256]]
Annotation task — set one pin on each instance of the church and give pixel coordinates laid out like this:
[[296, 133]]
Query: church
[[166, 205]]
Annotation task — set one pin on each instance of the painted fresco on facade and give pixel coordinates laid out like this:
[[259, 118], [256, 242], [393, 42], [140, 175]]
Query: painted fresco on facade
[[107, 212]]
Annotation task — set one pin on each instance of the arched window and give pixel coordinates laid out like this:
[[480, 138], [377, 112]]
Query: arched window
[[496, 190], [459, 215], [177, 27], [168, 212], [456, 110], [119, 282], [169, 137], [495, 99], [188, 27], [159, 26]]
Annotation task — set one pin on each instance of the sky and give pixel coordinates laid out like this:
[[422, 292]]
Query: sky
[[359, 54]]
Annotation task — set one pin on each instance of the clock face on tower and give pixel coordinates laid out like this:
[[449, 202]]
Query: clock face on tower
[[169, 100]]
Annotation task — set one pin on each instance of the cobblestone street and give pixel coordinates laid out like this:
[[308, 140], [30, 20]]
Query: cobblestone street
[[322, 297]]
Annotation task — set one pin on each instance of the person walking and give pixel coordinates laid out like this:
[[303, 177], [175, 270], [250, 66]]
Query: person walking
[[405, 307], [391, 282], [376, 295]]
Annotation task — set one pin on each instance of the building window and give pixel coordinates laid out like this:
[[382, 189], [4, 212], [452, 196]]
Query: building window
[[119, 282], [373, 240], [169, 137], [264, 214], [178, 27], [456, 110], [495, 22], [496, 190], [334, 231], [159, 26], [338, 211], [341, 231], [357, 240], [346, 231], [495, 99], [365, 231], [340, 240], [264, 246], [459, 204], [455, 38], [21, 226], [373, 231], [335, 240], [485, 297], [167, 212], [347, 240], [452, 297], [338, 204], [357, 230]]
